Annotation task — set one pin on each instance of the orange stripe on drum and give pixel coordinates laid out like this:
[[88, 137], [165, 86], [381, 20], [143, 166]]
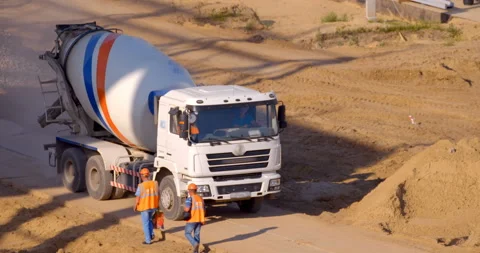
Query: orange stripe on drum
[[102, 61]]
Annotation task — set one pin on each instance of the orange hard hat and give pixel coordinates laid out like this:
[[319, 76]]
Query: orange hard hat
[[145, 172], [192, 186]]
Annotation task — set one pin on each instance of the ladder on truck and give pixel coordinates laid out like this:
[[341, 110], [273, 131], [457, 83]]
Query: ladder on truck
[[64, 101], [51, 112]]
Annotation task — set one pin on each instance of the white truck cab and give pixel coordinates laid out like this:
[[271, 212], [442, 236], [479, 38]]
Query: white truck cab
[[225, 139]]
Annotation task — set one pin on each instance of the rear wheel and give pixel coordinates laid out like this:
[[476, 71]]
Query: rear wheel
[[170, 203], [118, 193], [98, 179], [252, 205], [72, 168]]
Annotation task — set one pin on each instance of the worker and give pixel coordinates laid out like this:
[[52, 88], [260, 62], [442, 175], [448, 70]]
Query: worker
[[195, 207], [147, 197], [244, 118]]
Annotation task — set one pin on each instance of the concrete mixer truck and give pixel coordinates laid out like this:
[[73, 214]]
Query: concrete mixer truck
[[128, 106]]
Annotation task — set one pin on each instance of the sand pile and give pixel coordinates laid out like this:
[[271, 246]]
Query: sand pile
[[435, 195]]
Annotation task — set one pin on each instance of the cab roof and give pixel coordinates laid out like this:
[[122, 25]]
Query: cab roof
[[218, 94]]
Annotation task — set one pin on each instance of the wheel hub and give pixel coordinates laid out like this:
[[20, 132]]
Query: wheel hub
[[69, 171], [167, 198], [94, 179]]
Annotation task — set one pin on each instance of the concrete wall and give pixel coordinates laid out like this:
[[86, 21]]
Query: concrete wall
[[409, 10]]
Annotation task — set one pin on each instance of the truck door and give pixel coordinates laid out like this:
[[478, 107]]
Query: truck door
[[163, 130], [172, 135]]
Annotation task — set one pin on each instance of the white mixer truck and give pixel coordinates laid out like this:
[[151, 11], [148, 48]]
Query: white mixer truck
[[129, 106]]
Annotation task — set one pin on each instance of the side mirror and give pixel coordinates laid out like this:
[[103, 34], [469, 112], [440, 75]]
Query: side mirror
[[281, 117], [183, 125]]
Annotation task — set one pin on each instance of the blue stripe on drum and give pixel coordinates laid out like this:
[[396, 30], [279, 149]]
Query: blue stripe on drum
[[88, 78]]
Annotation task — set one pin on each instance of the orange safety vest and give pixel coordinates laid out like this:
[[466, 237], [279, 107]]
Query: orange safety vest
[[148, 196], [197, 211]]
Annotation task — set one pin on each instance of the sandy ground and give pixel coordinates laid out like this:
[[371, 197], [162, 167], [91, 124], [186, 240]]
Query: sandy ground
[[29, 223], [348, 105]]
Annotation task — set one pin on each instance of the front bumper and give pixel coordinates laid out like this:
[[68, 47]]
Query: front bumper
[[238, 189]]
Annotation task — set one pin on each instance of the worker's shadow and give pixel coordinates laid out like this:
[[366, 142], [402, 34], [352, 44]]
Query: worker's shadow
[[239, 237]]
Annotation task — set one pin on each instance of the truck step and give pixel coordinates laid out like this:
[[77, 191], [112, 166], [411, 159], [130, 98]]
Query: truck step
[[54, 107], [49, 91], [46, 82]]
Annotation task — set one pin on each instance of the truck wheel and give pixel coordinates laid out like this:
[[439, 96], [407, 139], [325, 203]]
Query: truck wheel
[[170, 203], [252, 205], [72, 168], [98, 179], [118, 193]]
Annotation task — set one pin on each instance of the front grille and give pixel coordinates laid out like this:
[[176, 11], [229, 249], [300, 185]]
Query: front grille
[[254, 159], [239, 188], [237, 177]]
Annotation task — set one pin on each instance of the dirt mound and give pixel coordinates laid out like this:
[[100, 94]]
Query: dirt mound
[[434, 195], [231, 16]]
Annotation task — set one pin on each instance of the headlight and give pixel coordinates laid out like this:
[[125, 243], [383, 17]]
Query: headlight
[[274, 182], [274, 185], [203, 188]]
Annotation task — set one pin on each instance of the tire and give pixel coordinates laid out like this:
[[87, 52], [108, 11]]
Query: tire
[[98, 179], [72, 167], [170, 203], [252, 205], [118, 193]]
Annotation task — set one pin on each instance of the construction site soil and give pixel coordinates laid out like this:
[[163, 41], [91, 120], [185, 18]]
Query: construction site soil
[[380, 136], [30, 223]]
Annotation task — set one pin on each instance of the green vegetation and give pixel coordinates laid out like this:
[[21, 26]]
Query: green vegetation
[[333, 17], [351, 35], [454, 32], [223, 14], [354, 41], [391, 27], [388, 28], [250, 26]]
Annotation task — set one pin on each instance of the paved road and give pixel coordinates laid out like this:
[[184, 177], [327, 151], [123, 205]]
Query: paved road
[[272, 230]]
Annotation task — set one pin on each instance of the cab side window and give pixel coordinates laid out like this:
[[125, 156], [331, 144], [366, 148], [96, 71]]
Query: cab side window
[[174, 129]]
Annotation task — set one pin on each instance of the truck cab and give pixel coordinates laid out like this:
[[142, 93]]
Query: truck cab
[[225, 139]]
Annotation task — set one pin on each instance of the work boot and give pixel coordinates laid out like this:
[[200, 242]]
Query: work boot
[[195, 248]]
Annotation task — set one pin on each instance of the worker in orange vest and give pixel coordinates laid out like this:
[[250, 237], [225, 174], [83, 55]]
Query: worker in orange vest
[[195, 207], [146, 203]]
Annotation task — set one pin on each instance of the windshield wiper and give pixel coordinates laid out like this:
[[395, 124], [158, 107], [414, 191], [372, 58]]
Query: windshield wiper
[[265, 138], [214, 142], [243, 138]]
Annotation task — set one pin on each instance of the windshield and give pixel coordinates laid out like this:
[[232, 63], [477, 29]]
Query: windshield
[[235, 122]]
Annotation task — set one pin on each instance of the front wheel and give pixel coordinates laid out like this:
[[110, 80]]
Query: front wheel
[[170, 203], [252, 205]]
